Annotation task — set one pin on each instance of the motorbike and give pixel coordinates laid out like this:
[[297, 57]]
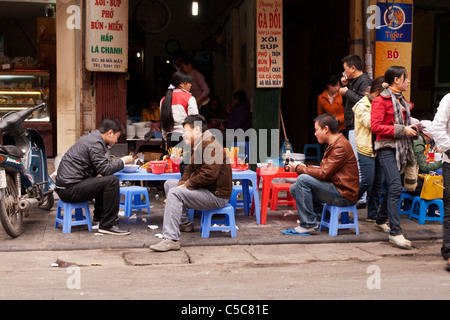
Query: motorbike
[[24, 180]]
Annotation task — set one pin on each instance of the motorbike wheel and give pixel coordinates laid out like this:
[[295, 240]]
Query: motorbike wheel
[[10, 215], [48, 202]]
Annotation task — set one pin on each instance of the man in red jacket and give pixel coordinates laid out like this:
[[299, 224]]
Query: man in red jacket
[[335, 182]]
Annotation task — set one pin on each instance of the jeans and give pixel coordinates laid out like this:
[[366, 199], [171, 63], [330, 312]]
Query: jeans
[[446, 227], [372, 178], [309, 193], [389, 206], [105, 191]]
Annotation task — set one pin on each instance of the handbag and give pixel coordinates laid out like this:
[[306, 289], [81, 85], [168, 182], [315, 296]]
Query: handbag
[[433, 187], [411, 176]]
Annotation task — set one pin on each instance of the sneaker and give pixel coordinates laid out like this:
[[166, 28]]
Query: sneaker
[[115, 230], [188, 227], [166, 245], [400, 241], [382, 227]]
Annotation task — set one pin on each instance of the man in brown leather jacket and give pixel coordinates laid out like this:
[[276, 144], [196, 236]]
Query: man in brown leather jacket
[[335, 182], [206, 183]]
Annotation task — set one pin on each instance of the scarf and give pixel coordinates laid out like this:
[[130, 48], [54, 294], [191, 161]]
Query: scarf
[[404, 147]]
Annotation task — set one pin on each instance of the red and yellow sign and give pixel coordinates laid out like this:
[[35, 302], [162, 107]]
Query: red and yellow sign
[[269, 43], [393, 45]]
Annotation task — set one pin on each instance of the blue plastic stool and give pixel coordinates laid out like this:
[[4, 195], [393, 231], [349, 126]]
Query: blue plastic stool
[[316, 147], [230, 224], [133, 199], [191, 214], [333, 222], [423, 208], [404, 206], [66, 219], [238, 203]]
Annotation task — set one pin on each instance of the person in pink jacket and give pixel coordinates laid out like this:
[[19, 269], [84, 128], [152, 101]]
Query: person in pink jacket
[[391, 122]]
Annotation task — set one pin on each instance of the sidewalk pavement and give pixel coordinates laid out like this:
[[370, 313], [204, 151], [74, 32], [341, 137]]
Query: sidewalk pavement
[[40, 233]]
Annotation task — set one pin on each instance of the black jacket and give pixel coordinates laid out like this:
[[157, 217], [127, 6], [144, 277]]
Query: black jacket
[[355, 92], [86, 158]]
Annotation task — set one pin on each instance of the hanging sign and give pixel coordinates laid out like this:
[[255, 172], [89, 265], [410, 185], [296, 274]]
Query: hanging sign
[[107, 35], [393, 45], [269, 43]]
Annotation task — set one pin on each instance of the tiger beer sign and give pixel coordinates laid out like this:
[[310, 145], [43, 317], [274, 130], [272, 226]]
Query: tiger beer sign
[[269, 43], [394, 37]]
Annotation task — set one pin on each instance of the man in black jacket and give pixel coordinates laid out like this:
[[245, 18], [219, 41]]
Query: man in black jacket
[[85, 173], [355, 83]]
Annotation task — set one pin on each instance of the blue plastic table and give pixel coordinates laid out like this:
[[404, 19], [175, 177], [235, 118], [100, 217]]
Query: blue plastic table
[[142, 174], [244, 176]]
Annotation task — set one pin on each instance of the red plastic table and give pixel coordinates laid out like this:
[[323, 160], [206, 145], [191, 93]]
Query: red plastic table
[[268, 174]]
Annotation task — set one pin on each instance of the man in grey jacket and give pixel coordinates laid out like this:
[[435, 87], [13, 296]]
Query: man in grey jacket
[[85, 173], [440, 130]]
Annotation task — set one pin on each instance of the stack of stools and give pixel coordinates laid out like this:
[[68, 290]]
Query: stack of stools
[[318, 154], [238, 203], [424, 206], [274, 201], [133, 199], [404, 206], [207, 222], [67, 219], [332, 223]]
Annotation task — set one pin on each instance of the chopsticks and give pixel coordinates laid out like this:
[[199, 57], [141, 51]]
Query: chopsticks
[[175, 152], [233, 153]]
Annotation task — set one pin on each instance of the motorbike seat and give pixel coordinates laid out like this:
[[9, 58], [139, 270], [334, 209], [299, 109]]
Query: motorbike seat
[[13, 151]]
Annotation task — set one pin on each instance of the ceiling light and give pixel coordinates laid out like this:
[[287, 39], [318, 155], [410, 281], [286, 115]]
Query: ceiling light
[[195, 8]]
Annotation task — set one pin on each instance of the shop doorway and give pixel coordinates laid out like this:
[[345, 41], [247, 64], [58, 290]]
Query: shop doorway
[[315, 40]]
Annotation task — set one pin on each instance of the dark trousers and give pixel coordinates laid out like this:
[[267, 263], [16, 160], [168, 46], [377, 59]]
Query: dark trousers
[[389, 206], [105, 191], [446, 240]]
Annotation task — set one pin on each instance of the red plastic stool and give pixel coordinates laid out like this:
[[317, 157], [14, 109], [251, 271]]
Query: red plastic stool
[[275, 188]]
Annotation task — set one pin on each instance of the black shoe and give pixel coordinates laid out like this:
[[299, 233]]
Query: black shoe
[[115, 230]]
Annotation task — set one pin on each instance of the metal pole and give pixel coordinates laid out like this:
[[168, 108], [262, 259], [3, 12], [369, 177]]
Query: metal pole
[[367, 40]]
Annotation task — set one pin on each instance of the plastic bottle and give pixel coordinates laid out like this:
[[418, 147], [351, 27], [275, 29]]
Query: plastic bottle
[[286, 161]]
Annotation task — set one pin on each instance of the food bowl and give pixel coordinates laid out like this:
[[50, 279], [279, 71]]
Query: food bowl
[[129, 168], [158, 166]]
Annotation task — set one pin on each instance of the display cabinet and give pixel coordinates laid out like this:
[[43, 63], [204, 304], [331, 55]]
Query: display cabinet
[[21, 89]]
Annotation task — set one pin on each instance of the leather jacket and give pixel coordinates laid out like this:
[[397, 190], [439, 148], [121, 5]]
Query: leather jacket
[[339, 166], [86, 158]]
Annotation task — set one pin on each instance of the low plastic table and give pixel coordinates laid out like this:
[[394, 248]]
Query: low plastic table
[[244, 176], [142, 174], [268, 174]]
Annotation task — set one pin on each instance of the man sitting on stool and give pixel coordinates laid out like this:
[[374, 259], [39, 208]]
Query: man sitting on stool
[[335, 182], [206, 183], [86, 173]]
